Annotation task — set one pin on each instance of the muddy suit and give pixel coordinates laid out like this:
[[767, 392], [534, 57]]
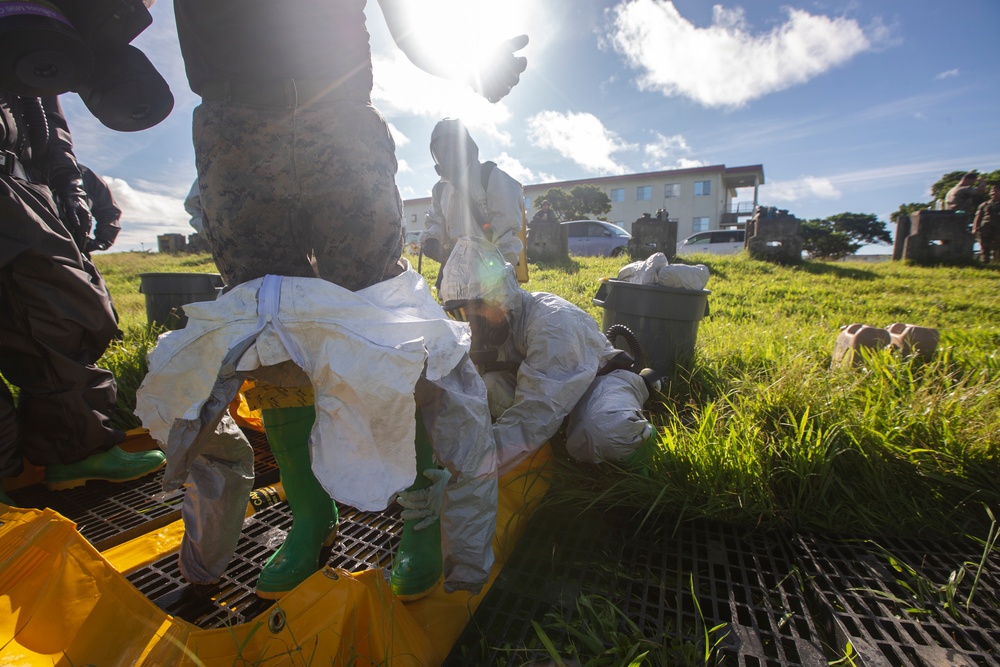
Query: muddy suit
[[55, 315]]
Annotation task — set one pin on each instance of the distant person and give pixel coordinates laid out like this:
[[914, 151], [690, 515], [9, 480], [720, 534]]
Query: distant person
[[963, 195], [107, 215], [986, 226], [544, 214], [483, 201], [56, 318]]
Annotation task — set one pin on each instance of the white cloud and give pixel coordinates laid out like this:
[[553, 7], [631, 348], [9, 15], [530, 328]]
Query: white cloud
[[522, 174], [947, 74], [403, 166], [725, 64], [402, 88], [580, 137], [664, 152], [146, 215], [397, 136], [809, 187]]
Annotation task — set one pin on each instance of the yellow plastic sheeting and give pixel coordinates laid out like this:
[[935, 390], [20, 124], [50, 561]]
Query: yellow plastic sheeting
[[63, 603]]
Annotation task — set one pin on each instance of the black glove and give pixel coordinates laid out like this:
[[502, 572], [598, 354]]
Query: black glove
[[73, 208], [503, 71], [432, 248], [104, 236], [96, 244]]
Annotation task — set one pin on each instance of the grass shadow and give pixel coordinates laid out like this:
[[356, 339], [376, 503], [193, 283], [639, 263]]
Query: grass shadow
[[828, 268]]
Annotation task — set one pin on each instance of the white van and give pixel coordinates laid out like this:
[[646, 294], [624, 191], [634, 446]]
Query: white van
[[716, 242]]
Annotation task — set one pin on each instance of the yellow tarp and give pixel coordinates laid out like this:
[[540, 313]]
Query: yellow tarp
[[63, 603]]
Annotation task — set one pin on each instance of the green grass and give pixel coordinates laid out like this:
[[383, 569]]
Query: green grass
[[760, 430]]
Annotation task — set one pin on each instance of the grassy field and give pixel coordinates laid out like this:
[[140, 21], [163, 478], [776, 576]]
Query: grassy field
[[761, 430]]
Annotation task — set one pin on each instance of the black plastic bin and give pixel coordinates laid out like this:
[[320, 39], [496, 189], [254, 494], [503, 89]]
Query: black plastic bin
[[167, 293], [664, 319]]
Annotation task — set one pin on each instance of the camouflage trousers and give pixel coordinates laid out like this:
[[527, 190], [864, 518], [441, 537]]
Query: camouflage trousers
[[306, 192]]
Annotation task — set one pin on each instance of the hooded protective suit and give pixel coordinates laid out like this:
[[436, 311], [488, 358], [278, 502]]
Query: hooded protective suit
[[364, 353], [558, 351], [464, 207]]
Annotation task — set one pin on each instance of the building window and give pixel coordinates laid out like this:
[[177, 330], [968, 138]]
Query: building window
[[702, 188], [617, 194], [672, 190], [413, 218], [527, 203], [644, 193], [700, 224]]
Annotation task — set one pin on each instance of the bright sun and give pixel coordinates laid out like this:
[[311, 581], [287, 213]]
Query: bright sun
[[474, 27]]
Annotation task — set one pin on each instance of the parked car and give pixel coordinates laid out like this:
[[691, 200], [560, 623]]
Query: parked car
[[716, 242], [596, 238]]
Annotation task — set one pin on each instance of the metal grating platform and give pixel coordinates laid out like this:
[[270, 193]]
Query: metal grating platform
[[742, 581], [107, 514], [862, 592], [366, 540], [745, 580]]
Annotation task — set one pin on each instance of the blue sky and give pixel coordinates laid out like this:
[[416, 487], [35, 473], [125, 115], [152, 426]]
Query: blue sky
[[850, 105]]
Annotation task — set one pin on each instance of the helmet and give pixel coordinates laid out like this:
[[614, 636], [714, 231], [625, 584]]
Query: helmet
[[452, 145]]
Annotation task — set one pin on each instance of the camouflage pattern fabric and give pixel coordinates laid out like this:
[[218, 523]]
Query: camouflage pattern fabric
[[306, 192], [987, 230]]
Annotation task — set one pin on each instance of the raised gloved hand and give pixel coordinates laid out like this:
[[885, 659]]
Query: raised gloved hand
[[104, 238], [96, 244], [503, 70], [73, 207], [424, 505]]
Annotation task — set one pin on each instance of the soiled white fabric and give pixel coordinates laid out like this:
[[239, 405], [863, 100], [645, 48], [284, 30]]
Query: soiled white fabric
[[363, 351], [657, 270]]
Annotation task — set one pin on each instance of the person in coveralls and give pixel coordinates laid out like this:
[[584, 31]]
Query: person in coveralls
[[296, 172], [546, 362], [56, 318]]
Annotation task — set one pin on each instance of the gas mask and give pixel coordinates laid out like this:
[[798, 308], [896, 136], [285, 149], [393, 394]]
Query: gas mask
[[50, 47], [490, 326]]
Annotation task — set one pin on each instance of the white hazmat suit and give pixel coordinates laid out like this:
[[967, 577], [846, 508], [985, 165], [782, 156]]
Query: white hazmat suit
[[365, 353], [559, 352]]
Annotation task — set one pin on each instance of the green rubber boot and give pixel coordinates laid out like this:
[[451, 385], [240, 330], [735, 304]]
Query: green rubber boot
[[314, 514], [417, 568], [5, 499], [640, 460], [114, 465]]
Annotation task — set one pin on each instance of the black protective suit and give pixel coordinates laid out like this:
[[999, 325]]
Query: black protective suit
[[55, 316]]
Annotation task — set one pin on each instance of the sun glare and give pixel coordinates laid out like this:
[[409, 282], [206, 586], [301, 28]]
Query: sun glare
[[473, 28]]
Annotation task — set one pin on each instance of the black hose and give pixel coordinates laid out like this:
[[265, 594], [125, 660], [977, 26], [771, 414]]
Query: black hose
[[634, 346]]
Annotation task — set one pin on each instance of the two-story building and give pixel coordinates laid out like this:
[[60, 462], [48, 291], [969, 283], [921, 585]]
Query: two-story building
[[699, 198]]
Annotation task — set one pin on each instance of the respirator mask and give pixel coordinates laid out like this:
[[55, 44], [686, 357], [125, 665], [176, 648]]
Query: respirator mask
[[490, 327], [50, 47]]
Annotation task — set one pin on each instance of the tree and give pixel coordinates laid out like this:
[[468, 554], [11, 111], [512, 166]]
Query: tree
[[582, 202], [864, 228], [905, 210], [822, 242], [843, 234], [590, 201]]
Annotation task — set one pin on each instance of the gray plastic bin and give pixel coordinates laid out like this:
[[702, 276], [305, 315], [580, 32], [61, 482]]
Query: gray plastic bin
[[167, 293], [664, 319]]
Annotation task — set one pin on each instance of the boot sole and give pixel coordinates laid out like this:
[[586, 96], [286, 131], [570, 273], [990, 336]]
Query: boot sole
[[80, 481], [424, 593]]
